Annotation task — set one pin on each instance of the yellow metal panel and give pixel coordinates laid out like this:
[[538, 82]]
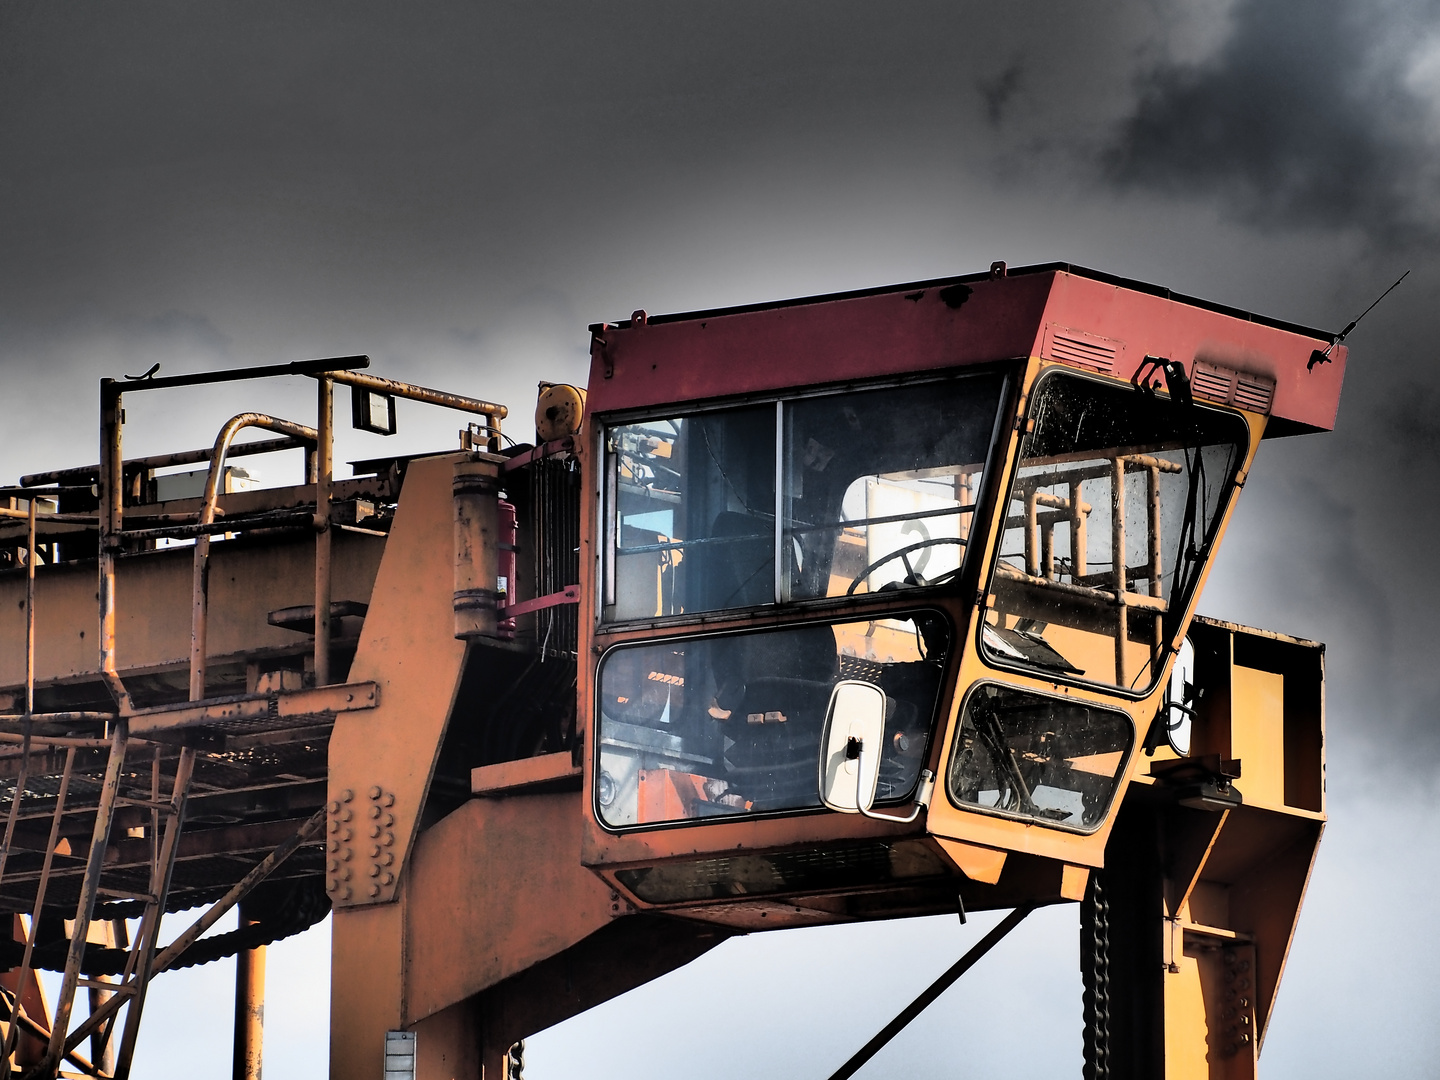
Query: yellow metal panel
[[978, 863], [1185, 1028], [1257, 734], [1073, 881]]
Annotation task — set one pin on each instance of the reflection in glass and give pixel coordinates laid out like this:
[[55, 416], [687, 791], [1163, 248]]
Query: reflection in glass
[[880, 485], [730, 725], [694, 513], [879, 488], [1052, 760], [1110, 522]]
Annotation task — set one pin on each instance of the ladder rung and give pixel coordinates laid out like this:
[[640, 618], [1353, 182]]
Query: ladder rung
[[125, 894], [163, 805], [96, 984]]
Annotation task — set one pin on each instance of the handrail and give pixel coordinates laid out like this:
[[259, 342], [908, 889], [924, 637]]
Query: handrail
[[158, 461], [420, 393], [199, 585]]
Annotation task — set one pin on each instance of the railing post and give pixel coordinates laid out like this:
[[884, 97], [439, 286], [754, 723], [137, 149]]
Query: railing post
[[324, 469], [111, 515], [29, 618], [99, 840]]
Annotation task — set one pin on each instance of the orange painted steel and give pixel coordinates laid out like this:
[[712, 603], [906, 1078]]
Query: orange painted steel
[[369, 735]]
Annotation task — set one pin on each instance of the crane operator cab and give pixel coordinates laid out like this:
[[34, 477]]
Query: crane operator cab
[[887, 585]]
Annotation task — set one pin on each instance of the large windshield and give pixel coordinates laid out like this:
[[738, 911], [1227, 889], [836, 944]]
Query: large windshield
[[730, 725], [877, 488], [1109, 524]]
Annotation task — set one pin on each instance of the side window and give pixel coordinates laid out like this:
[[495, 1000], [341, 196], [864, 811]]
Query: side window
[[1109, 525], [692, 513], [1055, 761]]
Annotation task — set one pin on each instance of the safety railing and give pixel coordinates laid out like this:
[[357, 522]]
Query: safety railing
[[53, 732]]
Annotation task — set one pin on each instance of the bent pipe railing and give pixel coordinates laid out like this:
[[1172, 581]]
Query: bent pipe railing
[[200, 576]]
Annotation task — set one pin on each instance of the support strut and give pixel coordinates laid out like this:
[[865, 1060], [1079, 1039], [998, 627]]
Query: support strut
[[931, 992]]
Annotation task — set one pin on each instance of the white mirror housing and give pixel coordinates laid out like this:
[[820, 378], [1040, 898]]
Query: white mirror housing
[[1180, 699], [851, 743]]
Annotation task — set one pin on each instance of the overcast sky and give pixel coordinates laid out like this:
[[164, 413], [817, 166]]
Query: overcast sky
[[459, 189]]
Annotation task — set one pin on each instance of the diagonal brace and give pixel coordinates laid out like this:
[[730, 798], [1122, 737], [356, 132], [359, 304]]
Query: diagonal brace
[[931, 992]]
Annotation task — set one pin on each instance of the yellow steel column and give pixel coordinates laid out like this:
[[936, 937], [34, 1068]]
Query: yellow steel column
[[249, 1007]]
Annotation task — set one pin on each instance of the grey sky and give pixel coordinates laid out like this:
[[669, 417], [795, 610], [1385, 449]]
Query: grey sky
[[459, 188]]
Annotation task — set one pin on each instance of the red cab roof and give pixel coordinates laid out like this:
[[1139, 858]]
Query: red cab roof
[[1068, 314]]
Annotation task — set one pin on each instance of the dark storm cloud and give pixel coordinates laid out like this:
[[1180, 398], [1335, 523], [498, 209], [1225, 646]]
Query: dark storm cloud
[[1306, 115], [998, 92]]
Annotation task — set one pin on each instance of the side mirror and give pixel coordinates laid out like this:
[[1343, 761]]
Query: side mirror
[[1179, 707], [850, 746]]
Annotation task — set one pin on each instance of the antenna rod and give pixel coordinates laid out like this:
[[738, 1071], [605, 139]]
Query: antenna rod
[[1318, 357]]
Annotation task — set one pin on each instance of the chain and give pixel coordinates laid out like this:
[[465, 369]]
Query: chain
[[1095, 969], [515, 1061]]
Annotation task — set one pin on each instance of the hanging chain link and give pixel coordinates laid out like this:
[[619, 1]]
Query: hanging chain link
[[515, 1061], [1095, 969]]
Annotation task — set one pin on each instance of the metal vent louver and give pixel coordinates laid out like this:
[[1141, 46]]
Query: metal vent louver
[[1079, 349], [1242, 389]]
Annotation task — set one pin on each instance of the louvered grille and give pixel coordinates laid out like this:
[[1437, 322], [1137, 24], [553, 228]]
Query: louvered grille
[[1212, 383], [1253, 395], [1080, 349], [1229, 387]]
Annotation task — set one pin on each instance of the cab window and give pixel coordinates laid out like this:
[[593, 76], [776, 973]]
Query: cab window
[[729, 725], [831, 495], [1110, 521]]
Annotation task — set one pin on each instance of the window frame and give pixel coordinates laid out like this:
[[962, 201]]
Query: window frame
[[1009, 375], [1007, 491], [939, 709], [1042, 692]]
